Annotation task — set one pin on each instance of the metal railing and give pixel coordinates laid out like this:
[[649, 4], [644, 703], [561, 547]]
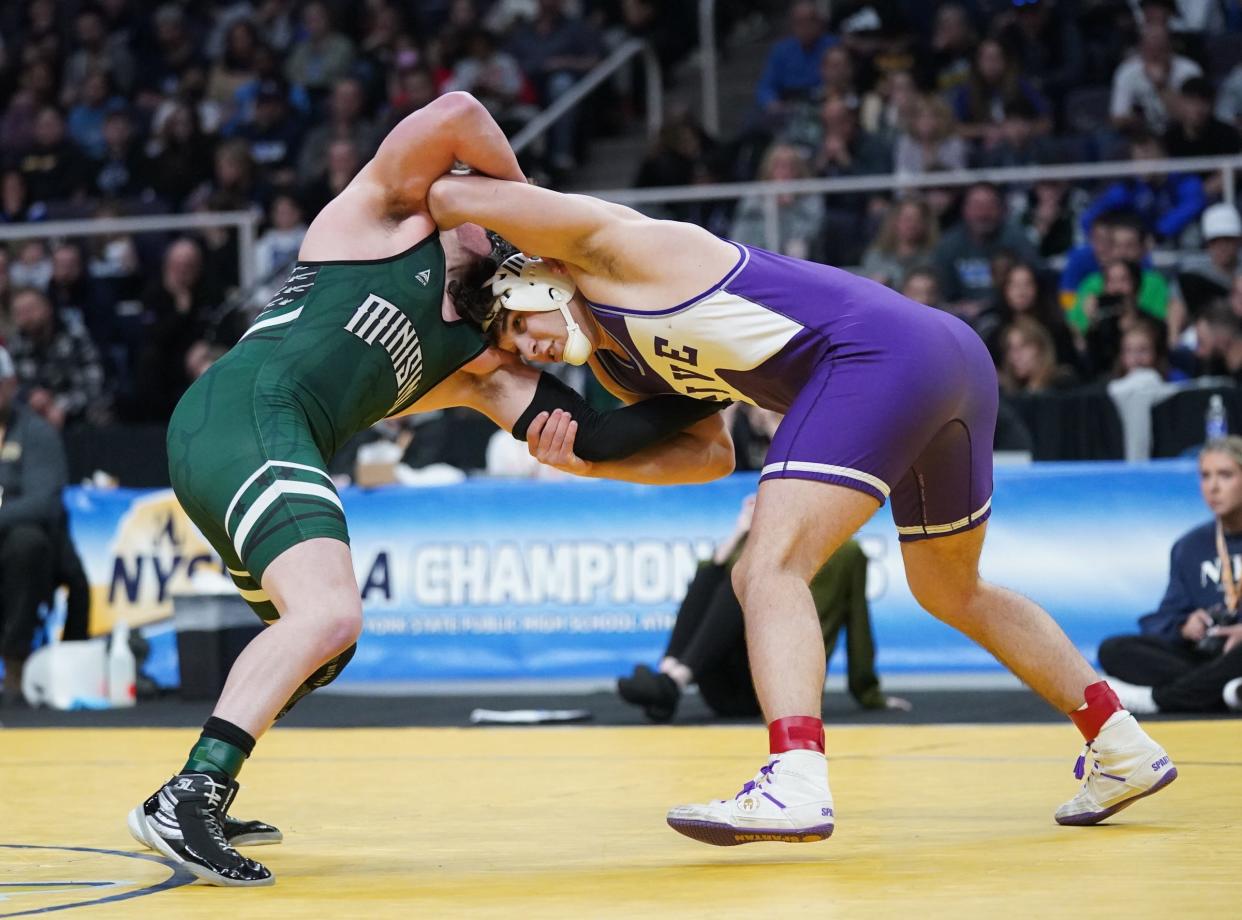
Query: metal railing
[[246, 223], [901, 182], [707, 67], [538, 126]]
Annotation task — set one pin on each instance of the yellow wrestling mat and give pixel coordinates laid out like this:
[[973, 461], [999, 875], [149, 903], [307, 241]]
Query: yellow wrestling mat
[[933, 821]]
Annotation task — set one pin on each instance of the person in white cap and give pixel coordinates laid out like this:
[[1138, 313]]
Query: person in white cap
[[1222, 236], [1208, 275]]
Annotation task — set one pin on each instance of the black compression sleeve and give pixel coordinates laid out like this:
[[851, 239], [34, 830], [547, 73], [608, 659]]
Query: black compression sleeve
[[225, 731], [618, 433]]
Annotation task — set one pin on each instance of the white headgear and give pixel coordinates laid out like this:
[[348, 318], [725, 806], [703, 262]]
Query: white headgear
[[528, 285]]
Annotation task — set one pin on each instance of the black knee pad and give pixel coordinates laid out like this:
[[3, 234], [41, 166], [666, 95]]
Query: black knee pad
[[321, 678]]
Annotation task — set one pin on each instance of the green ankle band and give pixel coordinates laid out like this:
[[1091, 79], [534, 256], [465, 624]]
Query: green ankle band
[[215, 756]]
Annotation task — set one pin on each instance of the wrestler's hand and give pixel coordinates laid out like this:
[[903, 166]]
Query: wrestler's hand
[[550, 440]]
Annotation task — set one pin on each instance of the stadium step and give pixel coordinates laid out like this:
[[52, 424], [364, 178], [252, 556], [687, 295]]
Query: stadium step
[[613, 161]]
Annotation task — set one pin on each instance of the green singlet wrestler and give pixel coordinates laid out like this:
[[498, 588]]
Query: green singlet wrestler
[[364, 329]]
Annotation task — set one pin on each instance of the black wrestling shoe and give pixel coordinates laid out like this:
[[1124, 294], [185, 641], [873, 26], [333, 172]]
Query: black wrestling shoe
[[242, 833], [187, 825], [237, 831], [657, 694]]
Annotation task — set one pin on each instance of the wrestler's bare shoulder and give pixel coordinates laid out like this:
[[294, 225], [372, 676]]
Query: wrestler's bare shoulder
[[358, 224], [663, 263]]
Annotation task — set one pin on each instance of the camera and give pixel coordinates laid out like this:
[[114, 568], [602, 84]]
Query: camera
[[1109, 304], [1221, 616]]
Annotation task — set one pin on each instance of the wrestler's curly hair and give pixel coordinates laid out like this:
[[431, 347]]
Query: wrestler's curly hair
[[471, 294]]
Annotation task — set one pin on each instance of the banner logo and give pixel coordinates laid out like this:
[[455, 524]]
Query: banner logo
[[156, 552]]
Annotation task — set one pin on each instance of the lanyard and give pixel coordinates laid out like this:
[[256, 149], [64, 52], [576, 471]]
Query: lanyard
[[1226, 570]]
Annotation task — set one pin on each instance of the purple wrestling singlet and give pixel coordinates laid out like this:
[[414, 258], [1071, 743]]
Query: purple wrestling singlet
[[879, 393]]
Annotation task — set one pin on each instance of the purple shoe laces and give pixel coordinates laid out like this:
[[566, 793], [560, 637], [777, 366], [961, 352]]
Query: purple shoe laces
[[765, 773], [1081, 764]]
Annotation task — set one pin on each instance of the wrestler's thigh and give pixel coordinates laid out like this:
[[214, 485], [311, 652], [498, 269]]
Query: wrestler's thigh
[[799, 523]]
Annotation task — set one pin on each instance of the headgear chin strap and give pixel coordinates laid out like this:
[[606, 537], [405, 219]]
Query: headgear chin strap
[[528, 285]]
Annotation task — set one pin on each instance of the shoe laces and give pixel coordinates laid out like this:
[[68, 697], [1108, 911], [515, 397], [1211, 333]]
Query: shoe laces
[[214, 811], [1081, 763], [763, 776], [214, 798], [215, 830]]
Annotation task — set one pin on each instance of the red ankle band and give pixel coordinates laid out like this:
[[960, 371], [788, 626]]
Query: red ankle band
[[1102, 702], [796, 733]]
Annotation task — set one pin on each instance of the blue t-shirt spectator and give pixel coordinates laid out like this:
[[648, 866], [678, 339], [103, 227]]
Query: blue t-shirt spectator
[[85, 123], [792, 69]]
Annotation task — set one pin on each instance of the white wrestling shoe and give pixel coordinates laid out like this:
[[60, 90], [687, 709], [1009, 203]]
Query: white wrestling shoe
[[788, 801], [1126, 765], [1232, 694]]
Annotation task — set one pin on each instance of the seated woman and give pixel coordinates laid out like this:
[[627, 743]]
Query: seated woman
[[905, 241], [798, 216], [1029, 363], [1139, 382], [1127, 242], [931, 141], [995, 83], [708, 646], [1023, 293], [1114, 312], [1188, 656]]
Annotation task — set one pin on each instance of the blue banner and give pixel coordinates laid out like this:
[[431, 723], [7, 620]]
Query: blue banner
[[506, 580]]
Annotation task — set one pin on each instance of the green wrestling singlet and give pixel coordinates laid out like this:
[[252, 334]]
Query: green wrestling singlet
[[339, 347]]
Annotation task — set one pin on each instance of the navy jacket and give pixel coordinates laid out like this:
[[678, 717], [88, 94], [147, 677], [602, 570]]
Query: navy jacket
[[1194, 581]]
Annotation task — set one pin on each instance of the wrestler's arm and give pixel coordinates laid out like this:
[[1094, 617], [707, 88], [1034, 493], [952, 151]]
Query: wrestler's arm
[[427, 143], [390, 191], [597, 236], [701, 452], [521, 399]]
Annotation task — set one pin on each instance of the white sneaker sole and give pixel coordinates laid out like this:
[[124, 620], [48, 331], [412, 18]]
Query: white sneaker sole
[[1087, 818], [137, 827]]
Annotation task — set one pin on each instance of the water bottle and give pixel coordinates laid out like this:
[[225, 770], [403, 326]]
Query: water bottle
[[1216, 421], [122, 668]]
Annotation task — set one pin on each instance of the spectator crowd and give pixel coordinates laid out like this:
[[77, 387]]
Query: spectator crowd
[[119, 107], [114, 107], [1131, 282]]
